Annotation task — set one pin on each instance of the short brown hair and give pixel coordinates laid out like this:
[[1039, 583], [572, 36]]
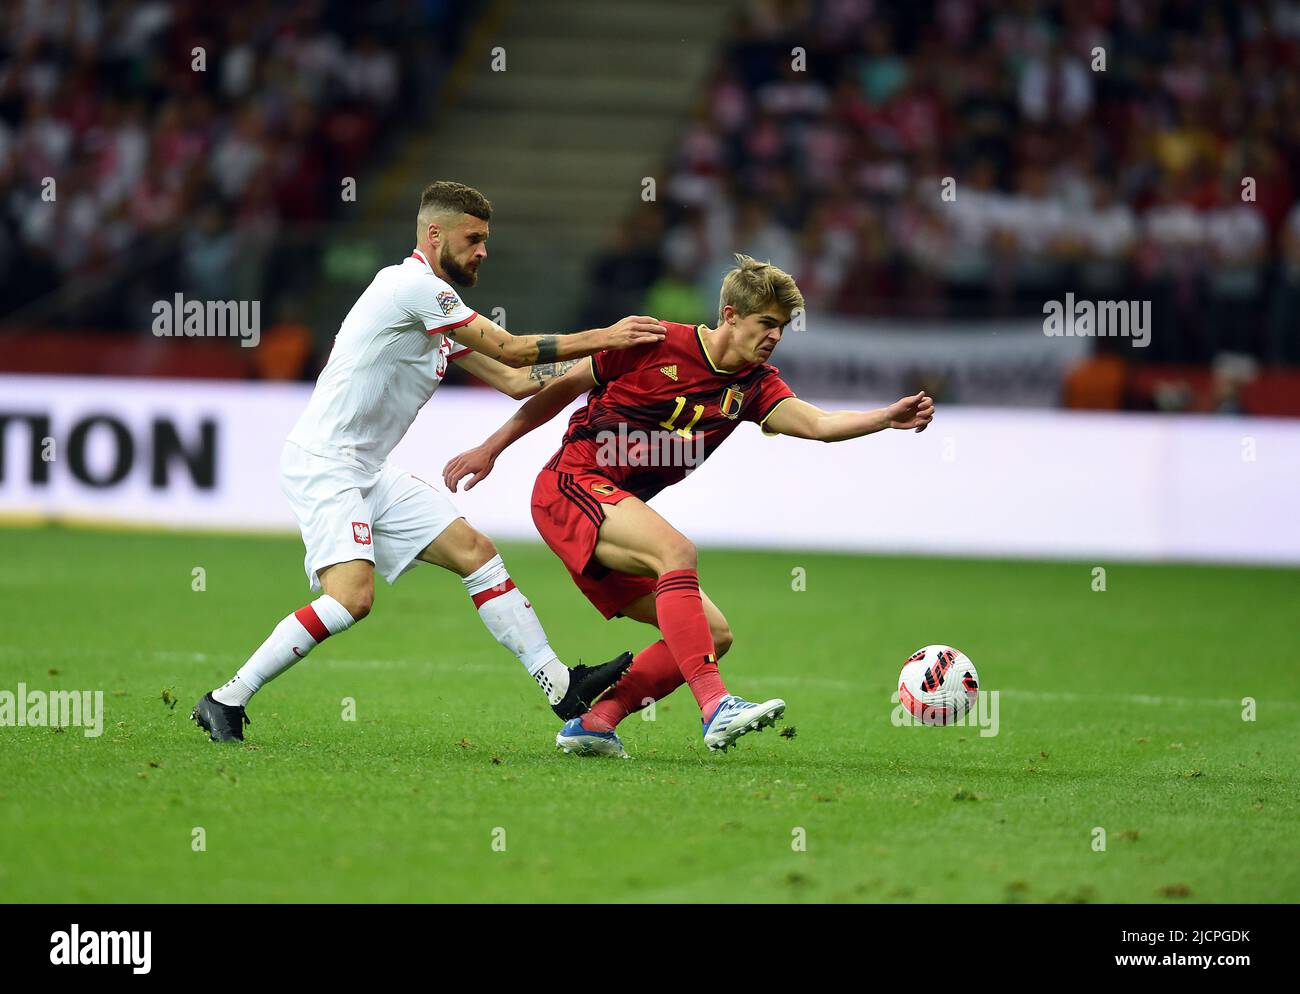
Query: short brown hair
[[446, 197], [753, 286]]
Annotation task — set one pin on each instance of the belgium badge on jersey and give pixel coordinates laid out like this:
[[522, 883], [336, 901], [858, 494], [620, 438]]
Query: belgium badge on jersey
[[731, 402]]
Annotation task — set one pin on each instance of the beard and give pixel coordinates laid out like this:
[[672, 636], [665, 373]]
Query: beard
[[458, 274]]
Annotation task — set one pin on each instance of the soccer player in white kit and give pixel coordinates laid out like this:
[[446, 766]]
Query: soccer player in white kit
[[358, 513]]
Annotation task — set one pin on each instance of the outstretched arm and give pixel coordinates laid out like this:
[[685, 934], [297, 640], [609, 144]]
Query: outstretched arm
[[556, 396], [516, 383], [489, 338], [800, 419]]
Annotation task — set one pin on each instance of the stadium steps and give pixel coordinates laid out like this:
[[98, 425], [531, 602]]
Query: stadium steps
[[553, 170], [561, 141], [600, 20], [545, 92]]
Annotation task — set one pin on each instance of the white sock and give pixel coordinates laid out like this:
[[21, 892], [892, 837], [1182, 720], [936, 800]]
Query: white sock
[[513, 622], [292, 639]]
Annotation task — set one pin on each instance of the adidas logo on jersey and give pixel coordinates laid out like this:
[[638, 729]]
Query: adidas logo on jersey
[[669, 371]]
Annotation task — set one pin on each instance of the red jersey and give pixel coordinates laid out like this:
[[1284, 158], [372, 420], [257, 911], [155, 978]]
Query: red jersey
[[660, 410]]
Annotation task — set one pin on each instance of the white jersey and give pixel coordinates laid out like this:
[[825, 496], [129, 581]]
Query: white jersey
[[388, 359]]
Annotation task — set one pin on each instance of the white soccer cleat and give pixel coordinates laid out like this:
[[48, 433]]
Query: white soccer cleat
[[574, 738], [736, 716]]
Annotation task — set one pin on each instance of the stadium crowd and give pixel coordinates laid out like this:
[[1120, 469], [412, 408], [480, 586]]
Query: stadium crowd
[[1117, 149], [170, 143], [1114, 149]]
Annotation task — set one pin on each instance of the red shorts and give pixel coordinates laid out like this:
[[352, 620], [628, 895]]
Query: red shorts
[[568, 514]]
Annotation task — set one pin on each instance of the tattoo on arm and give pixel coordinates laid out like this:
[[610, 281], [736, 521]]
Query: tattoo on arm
[[547, 349], [550, 370]]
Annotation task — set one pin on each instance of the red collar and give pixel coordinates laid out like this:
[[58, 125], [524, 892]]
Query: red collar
[[417, 254]]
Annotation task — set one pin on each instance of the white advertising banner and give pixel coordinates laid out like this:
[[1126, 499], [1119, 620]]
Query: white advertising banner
[[1006, 363], [980, 481]]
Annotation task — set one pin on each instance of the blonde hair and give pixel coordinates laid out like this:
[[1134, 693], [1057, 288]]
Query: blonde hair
[[753, 286]]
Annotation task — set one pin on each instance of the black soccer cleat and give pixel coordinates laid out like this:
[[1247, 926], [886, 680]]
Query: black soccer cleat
[[586, 683], [223, 722]]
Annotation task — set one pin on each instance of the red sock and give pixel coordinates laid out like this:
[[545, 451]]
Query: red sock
[[686, 630], [652, 676]]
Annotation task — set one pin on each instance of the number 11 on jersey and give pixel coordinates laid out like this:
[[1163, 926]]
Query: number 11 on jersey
[[684, 431]]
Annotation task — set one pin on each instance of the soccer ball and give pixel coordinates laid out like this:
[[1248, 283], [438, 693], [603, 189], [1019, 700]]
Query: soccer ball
[[938, 685]]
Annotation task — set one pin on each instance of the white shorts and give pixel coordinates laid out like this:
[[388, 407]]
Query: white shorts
[[387, 517]]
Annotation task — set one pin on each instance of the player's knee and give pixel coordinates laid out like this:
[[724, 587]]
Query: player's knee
[[365, 601], [476, 552], [357, 600], [679, 554]]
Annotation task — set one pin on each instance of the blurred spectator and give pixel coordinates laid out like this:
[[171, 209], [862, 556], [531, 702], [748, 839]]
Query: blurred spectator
[[1284, 309], [676, 296], [624, 270]]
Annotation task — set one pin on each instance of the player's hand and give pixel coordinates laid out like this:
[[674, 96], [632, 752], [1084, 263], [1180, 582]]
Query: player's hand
[[633, 331], [476, 462], [916, 411]]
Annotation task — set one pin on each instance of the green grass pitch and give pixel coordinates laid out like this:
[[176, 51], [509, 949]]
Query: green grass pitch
[[1120, 710]]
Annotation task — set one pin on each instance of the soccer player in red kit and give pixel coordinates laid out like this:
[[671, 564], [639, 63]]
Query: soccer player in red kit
[[654, 413]]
